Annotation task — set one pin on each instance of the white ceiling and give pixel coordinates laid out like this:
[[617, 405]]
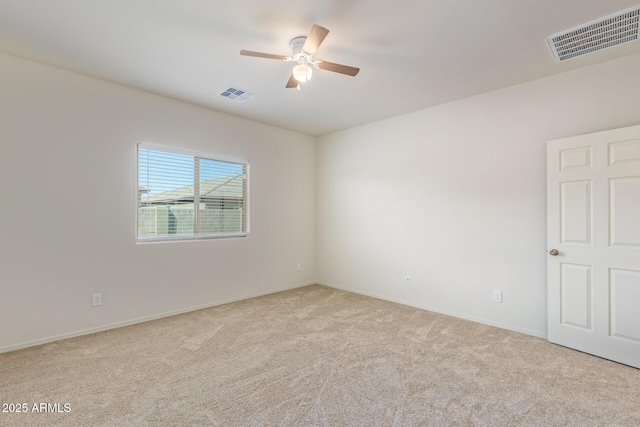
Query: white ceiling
[[412, 54]]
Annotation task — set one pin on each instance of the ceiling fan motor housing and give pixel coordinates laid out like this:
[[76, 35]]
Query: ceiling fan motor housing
[[296, 47]]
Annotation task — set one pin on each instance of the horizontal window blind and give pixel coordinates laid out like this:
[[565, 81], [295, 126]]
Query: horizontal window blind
[[183, 195]]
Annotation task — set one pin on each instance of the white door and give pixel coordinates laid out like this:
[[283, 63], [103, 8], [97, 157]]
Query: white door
[[593, 238]]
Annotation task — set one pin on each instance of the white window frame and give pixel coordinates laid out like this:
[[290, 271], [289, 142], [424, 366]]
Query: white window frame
[[201, 155]]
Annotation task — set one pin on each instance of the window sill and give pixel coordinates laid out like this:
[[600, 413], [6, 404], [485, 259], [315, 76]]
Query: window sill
[[191, 237]]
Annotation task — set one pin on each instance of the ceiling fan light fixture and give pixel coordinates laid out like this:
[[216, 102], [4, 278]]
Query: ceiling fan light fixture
[[302, 73]]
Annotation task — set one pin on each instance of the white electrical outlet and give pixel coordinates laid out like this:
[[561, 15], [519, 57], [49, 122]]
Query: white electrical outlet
[[299, 267], [96, 299], [407, 280], [497, 296]]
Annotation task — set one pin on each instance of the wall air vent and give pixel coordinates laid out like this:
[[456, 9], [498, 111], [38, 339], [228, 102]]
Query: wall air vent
[[612, 30], [236, 94]]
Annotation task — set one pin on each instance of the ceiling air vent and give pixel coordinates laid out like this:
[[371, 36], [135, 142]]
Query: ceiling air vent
[[236, 94], [600, 34]]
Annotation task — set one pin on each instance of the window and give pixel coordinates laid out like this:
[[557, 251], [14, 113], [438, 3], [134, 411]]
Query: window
[[186, 195]]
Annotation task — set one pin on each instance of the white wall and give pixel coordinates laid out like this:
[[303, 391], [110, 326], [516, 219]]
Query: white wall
[[455, 195], [68, 200]]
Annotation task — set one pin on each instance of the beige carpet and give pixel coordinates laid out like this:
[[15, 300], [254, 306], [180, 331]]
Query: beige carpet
[[316, 356]]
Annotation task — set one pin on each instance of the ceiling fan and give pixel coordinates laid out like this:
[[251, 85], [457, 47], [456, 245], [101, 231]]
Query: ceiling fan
[[302, 51]]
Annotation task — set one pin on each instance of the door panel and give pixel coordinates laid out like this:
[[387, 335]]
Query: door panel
[[593, 221], [624, 152], [625, 212], [576, 294], [625, 297], [575, 212], [575, 158]]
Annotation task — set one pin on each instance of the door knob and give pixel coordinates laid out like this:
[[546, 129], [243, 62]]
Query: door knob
[[553, 252]]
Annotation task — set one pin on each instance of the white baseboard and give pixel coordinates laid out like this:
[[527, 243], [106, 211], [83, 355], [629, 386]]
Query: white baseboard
[[143, 319], [437, 310]]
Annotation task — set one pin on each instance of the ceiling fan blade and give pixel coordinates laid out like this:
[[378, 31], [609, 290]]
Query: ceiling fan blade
[[263, 55], [292, 82], [315, 37], [338, 68]]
